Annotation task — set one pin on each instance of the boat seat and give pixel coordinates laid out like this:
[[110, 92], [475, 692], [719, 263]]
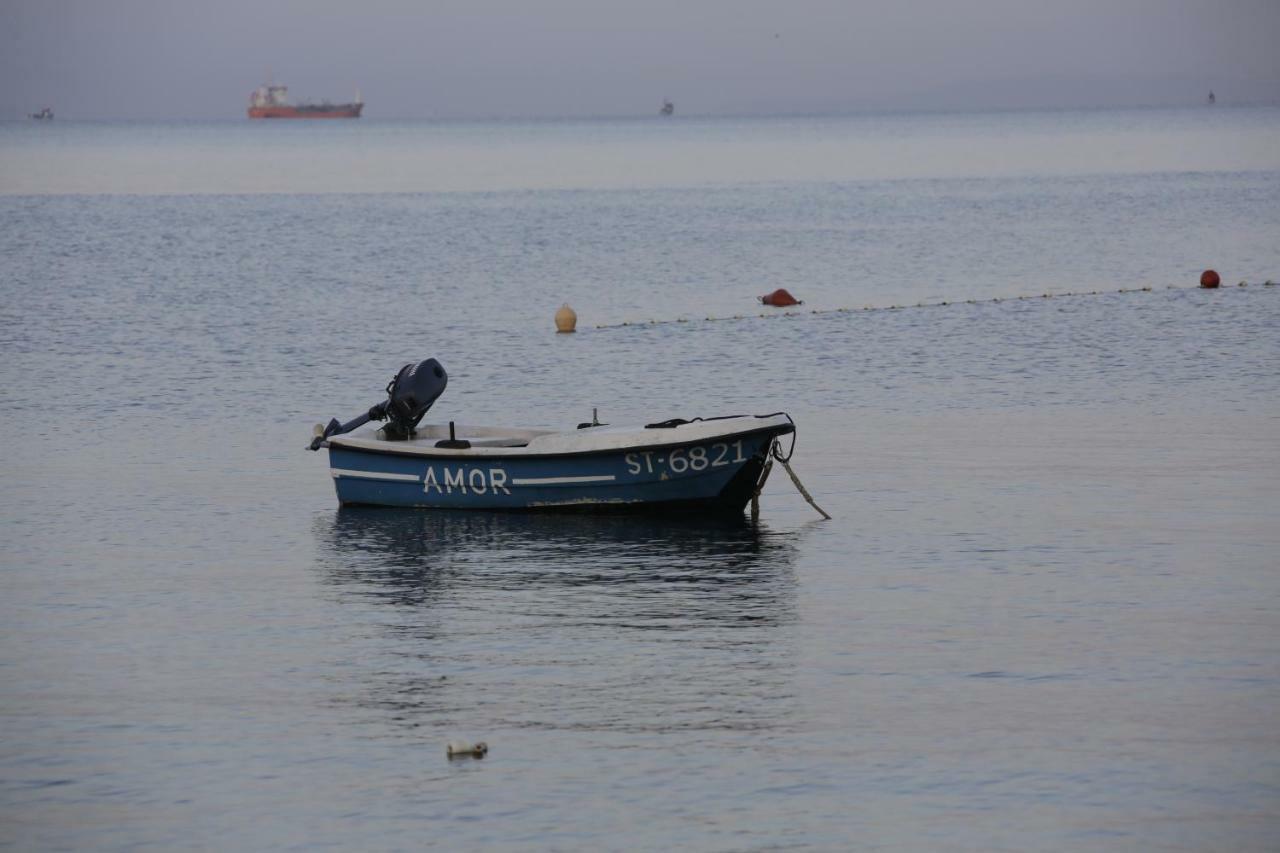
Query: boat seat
[[499, 442]]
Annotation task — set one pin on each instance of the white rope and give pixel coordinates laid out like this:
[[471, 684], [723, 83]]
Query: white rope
[[755, 499], [803, 491]]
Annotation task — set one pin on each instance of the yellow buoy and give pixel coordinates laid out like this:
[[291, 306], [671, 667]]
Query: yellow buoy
[[566, 319]]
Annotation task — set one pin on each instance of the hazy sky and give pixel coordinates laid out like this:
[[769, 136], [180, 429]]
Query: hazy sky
[[425, 58]]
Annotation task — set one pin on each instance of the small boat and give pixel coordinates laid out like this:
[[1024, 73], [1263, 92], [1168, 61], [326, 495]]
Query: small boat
[[45, 114], [667, 108], [713, 465]]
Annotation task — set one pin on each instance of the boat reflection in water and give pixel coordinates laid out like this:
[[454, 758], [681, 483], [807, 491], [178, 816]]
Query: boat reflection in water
[[724, 569], [566, 621]]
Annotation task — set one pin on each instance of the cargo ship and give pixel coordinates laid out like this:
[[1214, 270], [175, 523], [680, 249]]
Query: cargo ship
[[272, 101]]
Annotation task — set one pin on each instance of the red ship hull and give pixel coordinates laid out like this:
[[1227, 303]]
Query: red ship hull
[[324, 111]]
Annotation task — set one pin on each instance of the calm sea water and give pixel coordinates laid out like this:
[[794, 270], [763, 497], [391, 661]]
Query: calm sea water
[[1045, 616]]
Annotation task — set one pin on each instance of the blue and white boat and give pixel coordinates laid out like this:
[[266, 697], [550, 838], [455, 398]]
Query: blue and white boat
[[699, 465]]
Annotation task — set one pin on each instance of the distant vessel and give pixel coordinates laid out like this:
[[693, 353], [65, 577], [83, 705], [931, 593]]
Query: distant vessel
[[1212, 99], [272, 101], [667, 108], [45, 114]]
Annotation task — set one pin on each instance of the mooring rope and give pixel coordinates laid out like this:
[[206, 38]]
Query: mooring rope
[[803, 491], [776, 453], [755, 498]]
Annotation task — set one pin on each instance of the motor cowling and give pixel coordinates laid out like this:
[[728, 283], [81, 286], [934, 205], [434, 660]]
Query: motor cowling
[[409, 396]]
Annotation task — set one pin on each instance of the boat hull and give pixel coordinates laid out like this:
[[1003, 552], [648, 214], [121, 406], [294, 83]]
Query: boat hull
[[334, 111], [716, 474]]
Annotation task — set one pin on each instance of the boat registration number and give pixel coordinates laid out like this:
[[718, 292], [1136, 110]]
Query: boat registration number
[[682, 459]]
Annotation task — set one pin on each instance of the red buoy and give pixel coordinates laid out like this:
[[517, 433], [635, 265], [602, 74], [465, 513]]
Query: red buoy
[[781, 298], [1209, 279]]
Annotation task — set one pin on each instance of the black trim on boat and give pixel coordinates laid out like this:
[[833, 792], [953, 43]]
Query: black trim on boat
[[425, 452]]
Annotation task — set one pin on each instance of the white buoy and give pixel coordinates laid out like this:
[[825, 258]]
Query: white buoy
[[466, 749]]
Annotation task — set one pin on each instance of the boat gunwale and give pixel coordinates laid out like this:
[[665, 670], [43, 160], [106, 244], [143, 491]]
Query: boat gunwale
[[491, 453]]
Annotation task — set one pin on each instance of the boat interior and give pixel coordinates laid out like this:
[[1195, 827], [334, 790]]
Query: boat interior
[[475, 436]]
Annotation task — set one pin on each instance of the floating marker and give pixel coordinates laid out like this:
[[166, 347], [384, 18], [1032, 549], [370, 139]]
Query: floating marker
[[466, 749], [566, 319], [779, 298], [1209, 279]]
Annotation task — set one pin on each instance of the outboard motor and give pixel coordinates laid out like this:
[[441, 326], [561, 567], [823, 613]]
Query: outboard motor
[[409, 395]]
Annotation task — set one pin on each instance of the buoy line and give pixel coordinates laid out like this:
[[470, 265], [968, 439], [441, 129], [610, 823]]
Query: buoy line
[[868, 308]]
